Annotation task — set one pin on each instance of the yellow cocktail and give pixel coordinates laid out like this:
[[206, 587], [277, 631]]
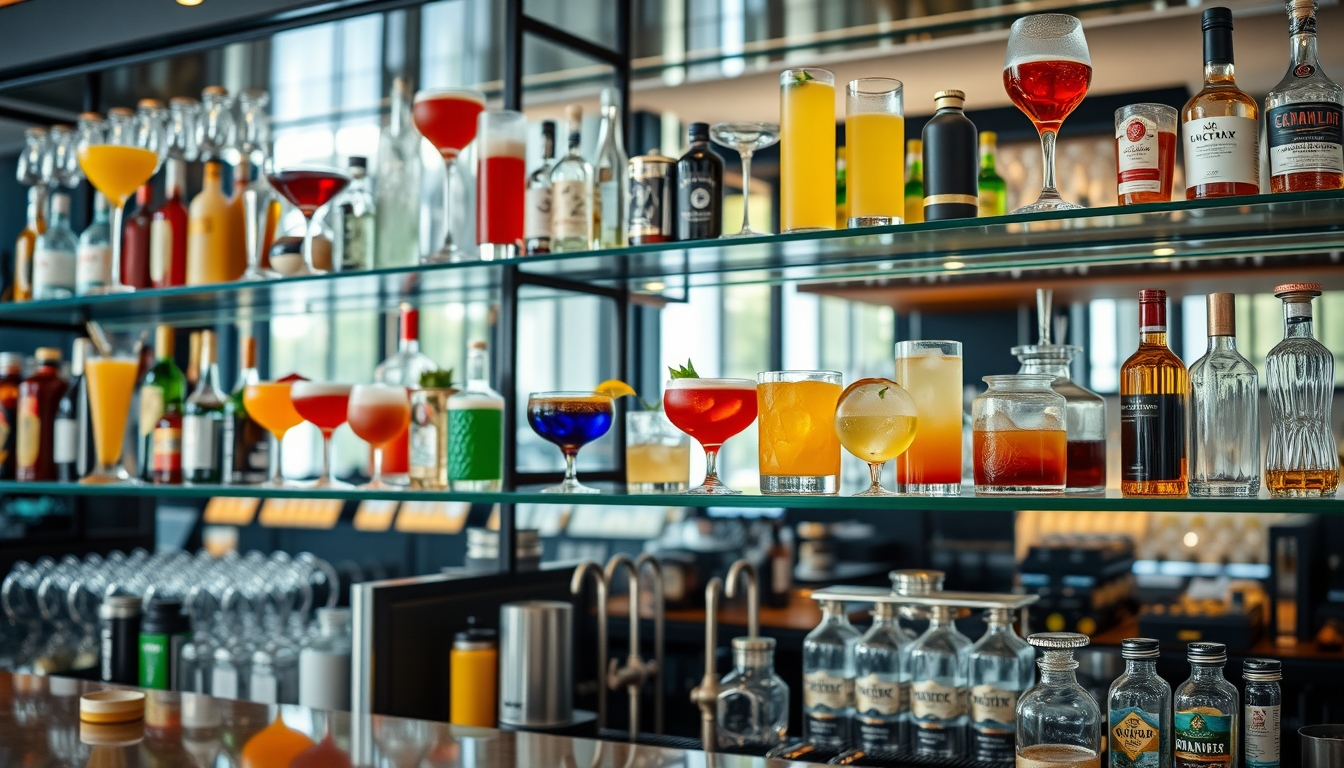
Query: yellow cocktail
[[875, 151], [118, 156], [799, 450], [269, 404], [111, 386], [876, 420], [807, 150], [117, 171]]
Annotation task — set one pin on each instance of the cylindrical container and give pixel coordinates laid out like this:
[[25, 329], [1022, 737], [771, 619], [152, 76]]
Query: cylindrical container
[[536, 685], [1322, 745], [653, 199], [429, 438], [875, 151], [324, 666], [799, 450], [1020, 438], [931, 372], [163, 631], [657, 454], [500, 182], [120, 617], [1264, 701], [483, 550], [1145, 153], [473, 678], [806, 150], [951, 162]]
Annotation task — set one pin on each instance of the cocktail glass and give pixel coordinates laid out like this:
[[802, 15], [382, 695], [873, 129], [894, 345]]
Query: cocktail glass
[[1046, 73], [500, 181], [747, 139], [270, 405], [799, 452], [711, 411], [325, 406], [111, 380], [309, 188], [118, 156], [875, 420], [930, 371], [806, 150], [657, 454], [875, 151], [447, 117], [571, 420], [378, 414]]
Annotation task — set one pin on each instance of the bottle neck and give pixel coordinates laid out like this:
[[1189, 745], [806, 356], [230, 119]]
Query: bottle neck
[[574, 140], [1058, 678], [59, 218], [478, 369], [1206, 673], [1297, 322], [1153, 323], [1222, 344], [940, 616], [1303, 46], [1057, 368], [173, 178], [1219, 74], [409, 342], [209, 380], [916, 168], [987, 157], [213, 180], [612, 120], [548, 148], [1140, 667]]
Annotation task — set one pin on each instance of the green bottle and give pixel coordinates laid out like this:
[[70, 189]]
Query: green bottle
[[993, 189], [914, 181], [160, 393]]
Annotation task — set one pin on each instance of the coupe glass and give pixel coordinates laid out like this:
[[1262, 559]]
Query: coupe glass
[[571, 420], [378, 414], [711, 411], [447, 117], [325, 406], [270, 405], [111, 380], [118, 156], [1046, 74], [875, 420], [309, 188], [747, 139]]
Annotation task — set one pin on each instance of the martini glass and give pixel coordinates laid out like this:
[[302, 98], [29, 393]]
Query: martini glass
[[309, 188], [571, 420], [111, 378], [875, 420], [118, 156], [325, 406], [447, 117], [747, 139]]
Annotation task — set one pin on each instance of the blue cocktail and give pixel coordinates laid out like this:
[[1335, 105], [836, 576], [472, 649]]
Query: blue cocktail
[[571, 420]]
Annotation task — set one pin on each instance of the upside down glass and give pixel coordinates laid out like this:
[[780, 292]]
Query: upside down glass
[[798, 448], [711, 411], [876, 420], [447, 117], [931, 372], [571, 420]]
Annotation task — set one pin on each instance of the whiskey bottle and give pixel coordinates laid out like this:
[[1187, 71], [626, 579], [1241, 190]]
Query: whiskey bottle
[[537, 210], [1207, 709], [1303, 115], [914, 181], [699, 188], [1220, 124], [951, 170], [828, 678], [938, 662], [1139, 705], [1302, 460], [1224, 411], [1153, 389], [1002, 668]]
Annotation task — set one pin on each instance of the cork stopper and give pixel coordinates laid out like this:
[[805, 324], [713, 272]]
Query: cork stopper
[[574, 115], [1300, 10], [149, 104], [47, 355], [1222, 311], [214, 90], [1307, 290], [163, 341], [249, 351], [90, 116], [949, 98], [121, 112]]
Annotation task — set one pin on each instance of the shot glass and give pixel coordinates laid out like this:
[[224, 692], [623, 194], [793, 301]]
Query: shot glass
[[657, 454], [1145, 153]]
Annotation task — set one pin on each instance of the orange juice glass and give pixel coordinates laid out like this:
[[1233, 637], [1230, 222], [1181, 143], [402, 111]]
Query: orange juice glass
[[269, 403], [799, 450], [111, 382], [931, 372], [806, 150]]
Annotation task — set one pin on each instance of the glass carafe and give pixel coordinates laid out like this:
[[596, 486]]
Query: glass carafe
[[1019, 436], [1302, 460], [753, 708], [1058, 721]]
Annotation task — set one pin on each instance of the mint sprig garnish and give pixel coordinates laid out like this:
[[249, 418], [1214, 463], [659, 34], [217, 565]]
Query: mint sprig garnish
[[686, 371], [802, 76]]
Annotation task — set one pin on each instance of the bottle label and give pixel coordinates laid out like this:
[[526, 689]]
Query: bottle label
[[931, 701], [167, 449], [822, 689], [537, 214], [989, 202], [160, 251], [158, 660], [53, 269], [1137, 157], [1222, 150], [198, 443], [64, 441], [94, 267], [475, 443], [1306, 137], [878, 733], [697, 198], [29, 441], [1203, 738], [825, 728], [993, 707], [571, 218], [151, 409], [1152, 437], [1135, 738], [1262, 737], [875, 696]]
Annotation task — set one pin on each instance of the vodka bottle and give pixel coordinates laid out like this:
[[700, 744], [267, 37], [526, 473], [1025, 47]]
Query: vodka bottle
[[1003, 667], [881, 696], [828, 678], [1139, 705], [939, 663]]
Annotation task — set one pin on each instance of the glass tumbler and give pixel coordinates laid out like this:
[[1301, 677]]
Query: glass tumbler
[[799, 450], [875, 151], [806, 150], [931, 372], [1019, 436], [500, 181], [657, 454], [1145, 153]]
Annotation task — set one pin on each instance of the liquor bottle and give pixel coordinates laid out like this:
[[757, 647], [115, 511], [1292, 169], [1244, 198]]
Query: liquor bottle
[[404, 368], [1302, 460], [939, 664], [1264, 700], [951, 178], [246, 444], [54, 254], [39, 396], [208, 240], [72, 437], [398, 189], [34, 225], [1220, 124], [753, 706], [236, 262], [993, 189], [1207, 708], [777, 579], [881, 696], [1002, 668], [612, 202], [1224, 411], [93, 260], [828, 678], [11, 374], [162, 388], [193, 371], [1153, 390], [914, 181], [841, 190], [168, 230], [572, 193], [1058, 721], [1139, 706], [699, 188], [202, 420], [355, 217], [476, 429], [537, 215], [1303, 115]]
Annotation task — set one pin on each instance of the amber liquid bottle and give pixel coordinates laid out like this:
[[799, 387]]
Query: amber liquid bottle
[[1220, 125], [39, 396], [1154, 391], [11, 373], [25, 245]]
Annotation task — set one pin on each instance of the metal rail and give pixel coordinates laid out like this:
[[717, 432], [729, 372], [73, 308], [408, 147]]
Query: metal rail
[[985, 600]]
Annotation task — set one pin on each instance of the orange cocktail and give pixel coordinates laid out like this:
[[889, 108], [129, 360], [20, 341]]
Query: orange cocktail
[[116, 170], [931, 372], [111, 386], [378, 414], [799, 450], [269, 404]]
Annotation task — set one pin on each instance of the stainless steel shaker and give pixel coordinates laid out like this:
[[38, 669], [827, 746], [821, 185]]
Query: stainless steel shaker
[[536, 664]]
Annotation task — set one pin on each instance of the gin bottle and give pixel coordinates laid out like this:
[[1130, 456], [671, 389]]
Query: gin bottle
[[1058, 721], [881, 696], [1224, 411], [613, 183], [355, 230], [1264, 697], [572, 193], [1139, 705], [939, 662], [753, 707], [828, 678], [1302, 460], [1003, 667], [1206, 708]]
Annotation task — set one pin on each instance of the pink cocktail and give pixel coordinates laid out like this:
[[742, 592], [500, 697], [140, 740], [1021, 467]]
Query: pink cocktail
[[447, 117], [377, 414], [308, 188], [324, 406], [500, 183], [711, 411]]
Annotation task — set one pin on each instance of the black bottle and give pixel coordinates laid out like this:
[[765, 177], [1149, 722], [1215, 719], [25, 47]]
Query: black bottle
[[699, 188], [72, 435], [951, 161]]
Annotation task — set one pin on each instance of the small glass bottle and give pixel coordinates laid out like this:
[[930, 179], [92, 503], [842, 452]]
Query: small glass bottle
[[753, 709], [1058, 721], [93, 264], [537, 213], [54, 254], [914, 181], [572, 193], [1302, 460], [1224, 411], [1206, 710], [939, 662], [881, 697], [993, 189], [828, 678], [1002, 668], [1139, 705], [1264, 697], [476, 428], [355, 221]]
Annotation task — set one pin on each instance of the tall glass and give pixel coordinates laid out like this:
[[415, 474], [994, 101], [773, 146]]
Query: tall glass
[[325, 406], [798, 448], [118, 157], [931, 372], [309, 188], [875, 151], [501, 179], [447, 117], [111, 381], [571, 420], [378, 414], [711, 411], [806, 150], [269, 404], [1046, 73], [747, 139], [875, 420]]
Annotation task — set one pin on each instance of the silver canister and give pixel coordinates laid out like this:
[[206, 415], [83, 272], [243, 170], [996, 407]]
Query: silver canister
[[429, 438], [536, 664], [653, 199], [1322, 746]]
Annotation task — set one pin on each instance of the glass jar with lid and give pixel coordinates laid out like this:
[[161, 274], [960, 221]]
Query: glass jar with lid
[[753, 707], [1058, 721], [1019, 436]]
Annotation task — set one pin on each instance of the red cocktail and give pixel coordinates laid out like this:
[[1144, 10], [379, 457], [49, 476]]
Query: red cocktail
[[711, 411], [500, 183], [325, 407], [447, 117], [308, 189], [377, 414], [1047, 91]]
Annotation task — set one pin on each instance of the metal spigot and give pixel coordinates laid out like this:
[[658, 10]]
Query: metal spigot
[[706, 694], [636, 670], [659, 621], [603, 586], [744, 568]]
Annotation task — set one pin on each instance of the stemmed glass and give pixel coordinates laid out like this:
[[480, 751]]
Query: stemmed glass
[[309, 188], [378, 414], [711, 411], [747, 139], [571, 420], [447, 117], [118, 157], [270, 405], [875, 420], [111, 378], [324, 406], [1046, 73]]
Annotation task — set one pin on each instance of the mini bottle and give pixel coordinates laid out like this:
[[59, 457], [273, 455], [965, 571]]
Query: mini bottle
[[828, 678], [1139, 705], [1003, 667], [881, 696], [753, 708], [476, 428], [1264, 698], [1206, 709], [939, 662], [699, 188], [54, 254], [951, 167], [93, 262], [1058, 721], [72, 437]]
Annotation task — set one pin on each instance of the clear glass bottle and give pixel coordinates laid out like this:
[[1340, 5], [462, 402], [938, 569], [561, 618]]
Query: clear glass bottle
[[1224, 411], [1264, 699], [1303, 114], [54, 254], [939, 664], [403, 367], [1002, 668], [1139, 707], [203, 420], [397, 190], [324, 664], [613, 183], [1058, 721], [1302, 460], [93, 261], [476, 428], [1206, 709], [753, 709], [355, 219], [537, 214], [881, 696], [572, 193], [828, 678]]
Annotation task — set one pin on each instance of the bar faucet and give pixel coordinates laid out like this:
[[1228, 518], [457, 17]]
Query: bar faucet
[[603, 587], [659, 621], [636, 670], [742, 568], [706, 694]]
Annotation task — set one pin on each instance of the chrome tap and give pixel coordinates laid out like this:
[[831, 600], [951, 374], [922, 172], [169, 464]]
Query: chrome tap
[[706, 694], [636, 670], [659, 620], [744, 568], [603, 587]]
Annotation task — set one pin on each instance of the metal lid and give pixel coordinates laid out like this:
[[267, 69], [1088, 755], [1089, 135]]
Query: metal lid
[[476, 639], [1217, 17], [119, 607], [949, 98], [915, 581], [1140, 648], [1207, 654], [1058, 640], [1152, 295], [753, 651], [47, 355], [988, 137], [1289, 289], [1263, 670]]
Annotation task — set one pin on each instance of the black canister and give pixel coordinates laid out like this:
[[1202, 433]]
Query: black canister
[[120, 618], [951, 161], [163, 631]]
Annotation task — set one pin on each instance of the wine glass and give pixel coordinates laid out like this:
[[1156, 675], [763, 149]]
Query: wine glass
[[875, 420], [270, 405], [747, 139], [571, 420], [447, 117], [118, 156], [1046, 74], [323, 405], [378, 414], [711, 411], [309, 188]]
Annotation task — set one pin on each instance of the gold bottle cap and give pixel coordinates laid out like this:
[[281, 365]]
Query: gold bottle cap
[[1222, 311], [150, 104], [163, 341], [1290, 288], [988, 137], [949, 98], [121, 112]]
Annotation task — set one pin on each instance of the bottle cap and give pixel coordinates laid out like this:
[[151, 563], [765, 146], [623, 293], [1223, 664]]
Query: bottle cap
[[1140, 648], [358, 162], [163, 341], [1058, 640], [38, 130], [1207, 654], [1262, 670], [149, 104], [112, 706], [548, 128], [121, 112], [988, 137], [753, 651], [1152, 295], [914, 146], [1217, 17], [119, 607], [1287, 289], [214, 90], [949, 98], [479, 345], [698, 132], [183, 101], [476, 639], [163, 616], [47, 355], [60, 204], [574, 114], [916, 581], [1222, 312]]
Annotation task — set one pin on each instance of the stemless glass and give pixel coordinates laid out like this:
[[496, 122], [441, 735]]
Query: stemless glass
[[447, 117], [798, 448], [1046, 73], [325, 406], [378, 414], [931, 372], [657, 454], [111, 378], [571, 420], [309, 188], [875, 151], [747, 139], [270, 405], [876, 420], [711, 411], [118, 157], [500, 181], [806, 150]]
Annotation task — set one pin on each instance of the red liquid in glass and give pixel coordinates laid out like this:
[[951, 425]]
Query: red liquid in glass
[[309, 189], [396, 454], [326, 412], [379, 423], [1087, 464], [448, 121], [710, 415], [172, 214], [499, 200], [1166, 165], [1020, 458], [1047, 91]]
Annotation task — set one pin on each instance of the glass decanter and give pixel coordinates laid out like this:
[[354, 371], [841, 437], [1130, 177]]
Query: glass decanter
[[1058, 721], [753, 700], [1302, 460]]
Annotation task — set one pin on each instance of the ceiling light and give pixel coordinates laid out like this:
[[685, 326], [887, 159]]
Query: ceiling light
[[655, 286], [1164, 251], [189, 2]]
